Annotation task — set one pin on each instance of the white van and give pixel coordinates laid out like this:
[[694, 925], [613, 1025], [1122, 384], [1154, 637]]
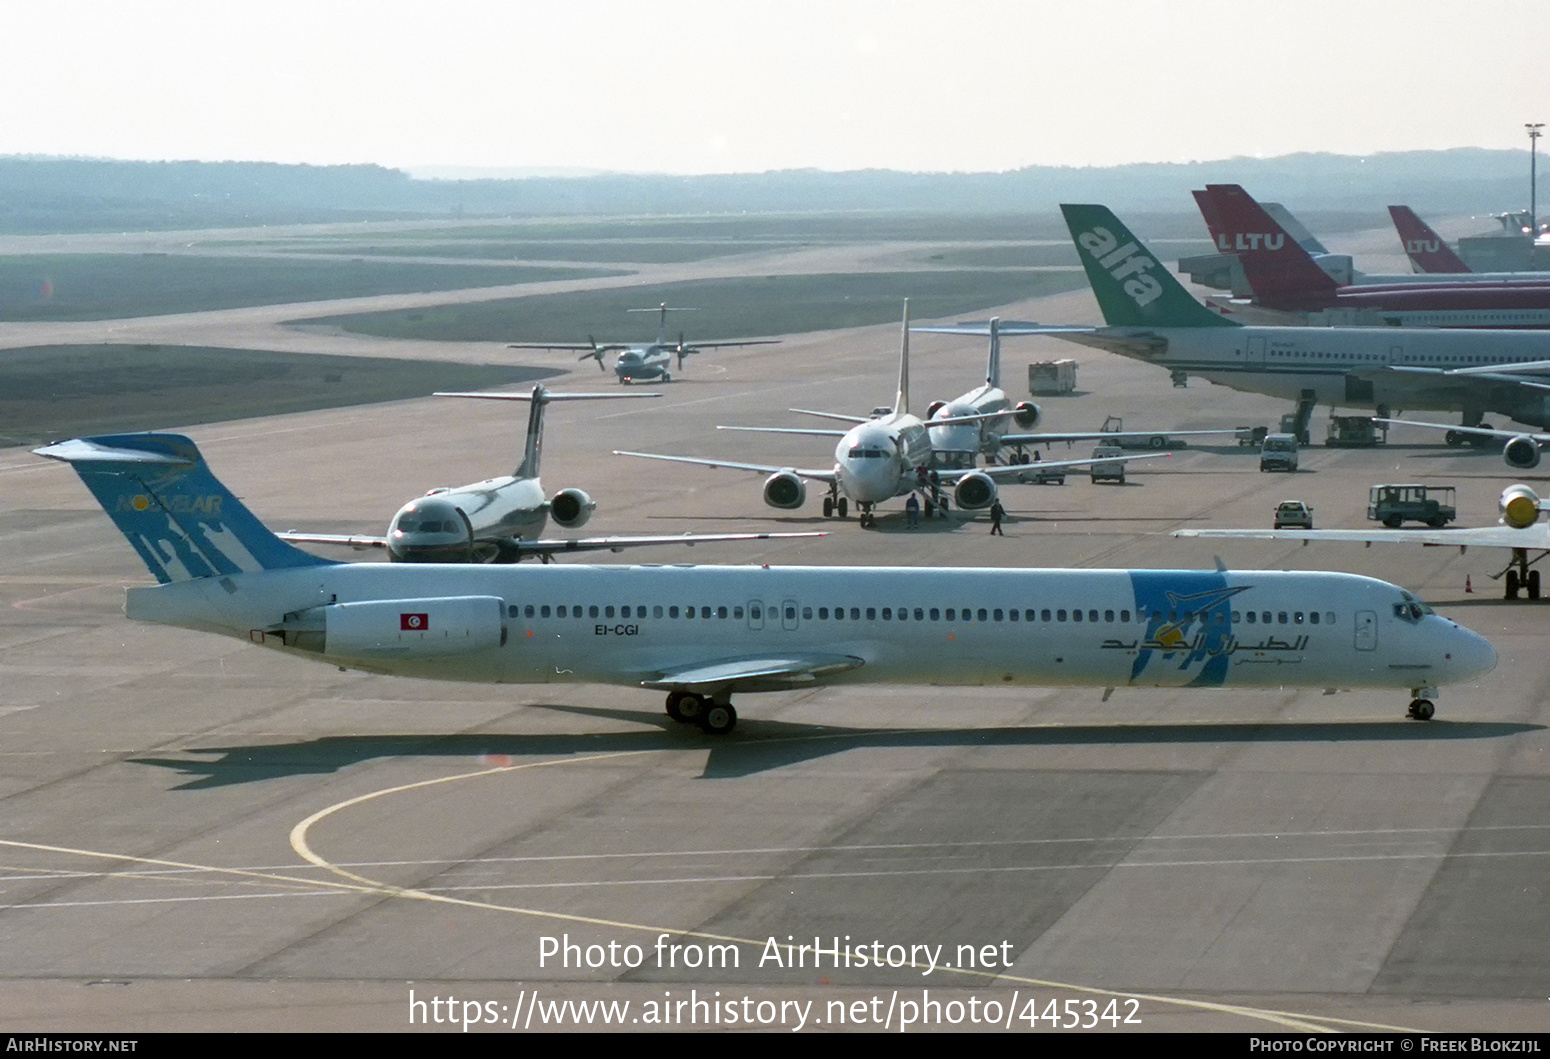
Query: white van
[[1278, 453]]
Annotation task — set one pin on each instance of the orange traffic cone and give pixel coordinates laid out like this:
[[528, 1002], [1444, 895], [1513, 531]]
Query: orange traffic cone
[[1467, 588]]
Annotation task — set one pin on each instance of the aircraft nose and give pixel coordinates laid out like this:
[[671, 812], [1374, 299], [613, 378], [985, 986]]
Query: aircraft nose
[[1467, 654]]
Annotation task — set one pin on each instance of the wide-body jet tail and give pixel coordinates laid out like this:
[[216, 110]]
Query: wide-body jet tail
[[1133, 288], [1277, 268], [183, 522], [1424, 247]]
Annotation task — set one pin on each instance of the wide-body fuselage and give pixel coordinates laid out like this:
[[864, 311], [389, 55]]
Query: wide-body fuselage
[[1348, 367], [631, 624]]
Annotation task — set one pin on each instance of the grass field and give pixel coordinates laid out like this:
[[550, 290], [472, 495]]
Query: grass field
[[732, 308], [55, 392], [113, 286], [631, 251]]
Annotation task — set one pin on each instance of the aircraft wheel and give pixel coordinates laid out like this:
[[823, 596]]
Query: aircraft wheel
[[1533, 584], [1512, 584], [1157, 442], [1422, 709], [1453, 438], [674, 709], [691, 708], [719, 718], [667, 376], [843, 507], [828, 507]]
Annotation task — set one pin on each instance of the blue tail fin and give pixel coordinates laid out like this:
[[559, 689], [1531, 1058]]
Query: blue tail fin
[[183, 522]]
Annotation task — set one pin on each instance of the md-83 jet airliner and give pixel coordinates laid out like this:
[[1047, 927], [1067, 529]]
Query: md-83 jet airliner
[[703, 634]]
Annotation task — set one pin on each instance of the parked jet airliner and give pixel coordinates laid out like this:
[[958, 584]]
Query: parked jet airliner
[[888, 455], [498, 520], [1152, 318], [702, 634]]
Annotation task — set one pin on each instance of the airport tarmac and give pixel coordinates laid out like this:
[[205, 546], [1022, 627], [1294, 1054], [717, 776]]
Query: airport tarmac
[[200, 834]]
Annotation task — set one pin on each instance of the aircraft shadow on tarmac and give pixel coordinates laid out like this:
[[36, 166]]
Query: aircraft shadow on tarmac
[[759, 745]]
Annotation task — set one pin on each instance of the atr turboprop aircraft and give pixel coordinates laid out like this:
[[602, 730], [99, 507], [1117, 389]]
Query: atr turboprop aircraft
[[1152, 318], [640, 362], [498, 520], [703, 634], [1283, 276], [1519, 530], [886, 456]]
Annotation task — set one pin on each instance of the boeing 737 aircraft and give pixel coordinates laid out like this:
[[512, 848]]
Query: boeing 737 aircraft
[[498, 519], [886, 456], [644, 361], [1520, 531], [703, 634], [1152, 318]]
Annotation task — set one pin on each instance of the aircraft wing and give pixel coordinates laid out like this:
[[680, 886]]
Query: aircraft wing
[[545, 549], [1511, 374], [789, 430], [1485, 432], [576, 347], [1016, 470], [755, 671], [548, 397], [1112, 339], [757, 468], [1536, 537], [352, 540], [1099, 435], [691, 347]]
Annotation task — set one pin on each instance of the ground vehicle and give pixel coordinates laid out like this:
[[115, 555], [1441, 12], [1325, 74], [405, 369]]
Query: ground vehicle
[[1353, 432], [1255, 436], [1293, 514], [1037, 475], [1394, 504], [1052, 377], [1116, 425], [1278, 453], [1108, 472]]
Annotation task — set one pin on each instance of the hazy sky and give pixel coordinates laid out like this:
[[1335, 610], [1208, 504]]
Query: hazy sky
[[696, 86]]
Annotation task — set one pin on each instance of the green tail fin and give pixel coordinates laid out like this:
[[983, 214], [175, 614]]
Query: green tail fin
[[1133, 288]]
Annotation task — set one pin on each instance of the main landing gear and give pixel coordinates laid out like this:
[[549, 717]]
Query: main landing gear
[[690, 707], [834, 504], [1422, 707], [1520, 577]]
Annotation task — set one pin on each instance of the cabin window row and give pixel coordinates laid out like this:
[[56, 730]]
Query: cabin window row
[[968, 614]]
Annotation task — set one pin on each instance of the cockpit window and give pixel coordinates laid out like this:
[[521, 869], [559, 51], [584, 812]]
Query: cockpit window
[[861, 452], [1410, 609]]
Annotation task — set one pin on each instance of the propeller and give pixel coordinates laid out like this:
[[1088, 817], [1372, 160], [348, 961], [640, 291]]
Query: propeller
[[681, 351], [596, 354]]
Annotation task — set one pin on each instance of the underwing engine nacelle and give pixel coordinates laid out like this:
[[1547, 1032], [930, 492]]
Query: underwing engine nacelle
[[571, 508], [785, 490], [974, 492], [1522, 452], [1027, 415], [1519, 506]]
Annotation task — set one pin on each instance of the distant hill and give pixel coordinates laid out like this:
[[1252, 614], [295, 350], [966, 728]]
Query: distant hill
[[74, 194]]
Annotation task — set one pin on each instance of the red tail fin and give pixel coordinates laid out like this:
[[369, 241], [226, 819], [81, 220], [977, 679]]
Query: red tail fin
[[1427, 251], [1277, 268]]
